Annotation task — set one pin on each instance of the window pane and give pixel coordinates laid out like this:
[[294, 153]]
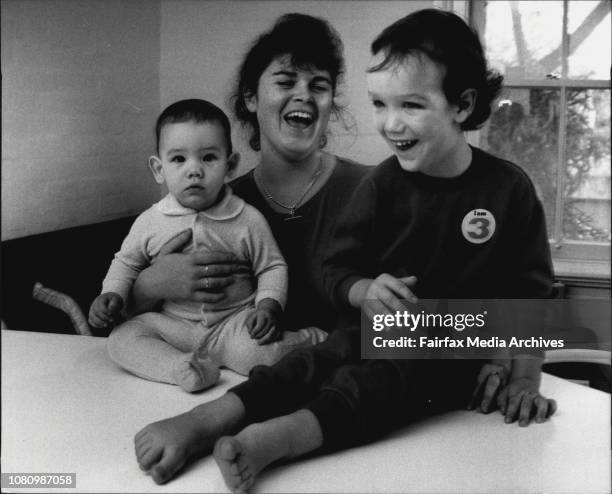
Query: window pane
[[586, 212], [523, 39], [589, 29], [524, 128]]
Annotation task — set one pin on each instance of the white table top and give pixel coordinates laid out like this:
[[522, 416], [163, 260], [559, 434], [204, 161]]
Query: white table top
[[67, 408]]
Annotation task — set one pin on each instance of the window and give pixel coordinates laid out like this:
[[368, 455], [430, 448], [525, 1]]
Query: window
[[553, 118]]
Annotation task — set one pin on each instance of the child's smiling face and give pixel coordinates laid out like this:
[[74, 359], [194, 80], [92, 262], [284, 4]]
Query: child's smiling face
[[193, 162], [414, 117]]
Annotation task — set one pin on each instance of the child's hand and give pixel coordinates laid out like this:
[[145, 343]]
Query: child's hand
[[105, 311], [492, 378], [262, 323], [521, 399], [384, 295]]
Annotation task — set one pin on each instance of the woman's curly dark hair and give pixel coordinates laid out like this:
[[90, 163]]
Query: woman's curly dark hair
[[309, 42], [446, 39]]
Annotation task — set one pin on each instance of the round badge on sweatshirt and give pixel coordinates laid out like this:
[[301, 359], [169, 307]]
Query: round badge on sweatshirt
[[478, 226]]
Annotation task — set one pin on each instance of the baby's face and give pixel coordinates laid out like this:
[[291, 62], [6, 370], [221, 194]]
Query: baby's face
[[193, 162]]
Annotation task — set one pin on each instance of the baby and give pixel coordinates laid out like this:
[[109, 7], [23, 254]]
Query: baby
[[411, 218], [186, 342]]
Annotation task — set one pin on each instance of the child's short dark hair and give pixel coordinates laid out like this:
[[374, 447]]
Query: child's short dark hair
[[447, 40], [308, 42], [196, 110]]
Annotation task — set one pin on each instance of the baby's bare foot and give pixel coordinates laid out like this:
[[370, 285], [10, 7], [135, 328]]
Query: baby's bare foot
[[195, 373], [164, 447]]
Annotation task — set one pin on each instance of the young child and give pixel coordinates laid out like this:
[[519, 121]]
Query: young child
[[185, 343], [439, 216]]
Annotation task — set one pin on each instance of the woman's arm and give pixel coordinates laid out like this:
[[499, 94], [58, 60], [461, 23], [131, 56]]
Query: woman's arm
[[197, 276]]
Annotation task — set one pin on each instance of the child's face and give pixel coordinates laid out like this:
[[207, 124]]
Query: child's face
[[193, 162], [414, 117]]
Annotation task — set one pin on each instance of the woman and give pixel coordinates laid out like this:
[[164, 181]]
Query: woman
[[285, 96]]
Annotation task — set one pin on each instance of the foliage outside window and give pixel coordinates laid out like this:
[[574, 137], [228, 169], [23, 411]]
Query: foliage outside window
[[553, 118]]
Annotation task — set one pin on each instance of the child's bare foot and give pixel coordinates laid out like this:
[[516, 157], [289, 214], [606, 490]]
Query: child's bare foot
[[240, 458], [164, 447], [237, 467], [195, 373]]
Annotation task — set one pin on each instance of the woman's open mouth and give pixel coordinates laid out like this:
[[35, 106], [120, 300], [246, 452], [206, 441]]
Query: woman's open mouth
[[299, 119]]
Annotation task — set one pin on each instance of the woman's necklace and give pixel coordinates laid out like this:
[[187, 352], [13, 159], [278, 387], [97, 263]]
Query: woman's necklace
[[298, 203]]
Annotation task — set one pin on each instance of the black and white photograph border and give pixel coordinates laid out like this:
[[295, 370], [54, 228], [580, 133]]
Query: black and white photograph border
[[83, 82]]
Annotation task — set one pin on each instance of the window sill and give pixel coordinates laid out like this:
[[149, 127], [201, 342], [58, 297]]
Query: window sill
[[593, 272]]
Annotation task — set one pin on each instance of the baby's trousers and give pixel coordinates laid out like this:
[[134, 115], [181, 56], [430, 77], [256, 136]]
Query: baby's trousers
[[150, 344], [356, 401]]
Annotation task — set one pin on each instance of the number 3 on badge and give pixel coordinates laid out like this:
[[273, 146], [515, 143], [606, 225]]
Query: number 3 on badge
[[478, 226]]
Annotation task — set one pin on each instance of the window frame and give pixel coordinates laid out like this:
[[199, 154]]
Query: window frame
[[571, 257]]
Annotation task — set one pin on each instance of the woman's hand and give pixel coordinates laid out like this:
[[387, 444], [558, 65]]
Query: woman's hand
[[200, 276]]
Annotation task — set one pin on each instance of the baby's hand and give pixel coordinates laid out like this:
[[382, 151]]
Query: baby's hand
[[262, 323], [521, 399], [105, 311]]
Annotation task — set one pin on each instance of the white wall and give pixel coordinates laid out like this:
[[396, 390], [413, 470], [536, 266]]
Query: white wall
[[203, 43], [80, 94], [84, 80]]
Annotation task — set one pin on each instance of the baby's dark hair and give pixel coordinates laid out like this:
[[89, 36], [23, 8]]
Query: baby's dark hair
[[447, 40], [309, 42], [196, 110]]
